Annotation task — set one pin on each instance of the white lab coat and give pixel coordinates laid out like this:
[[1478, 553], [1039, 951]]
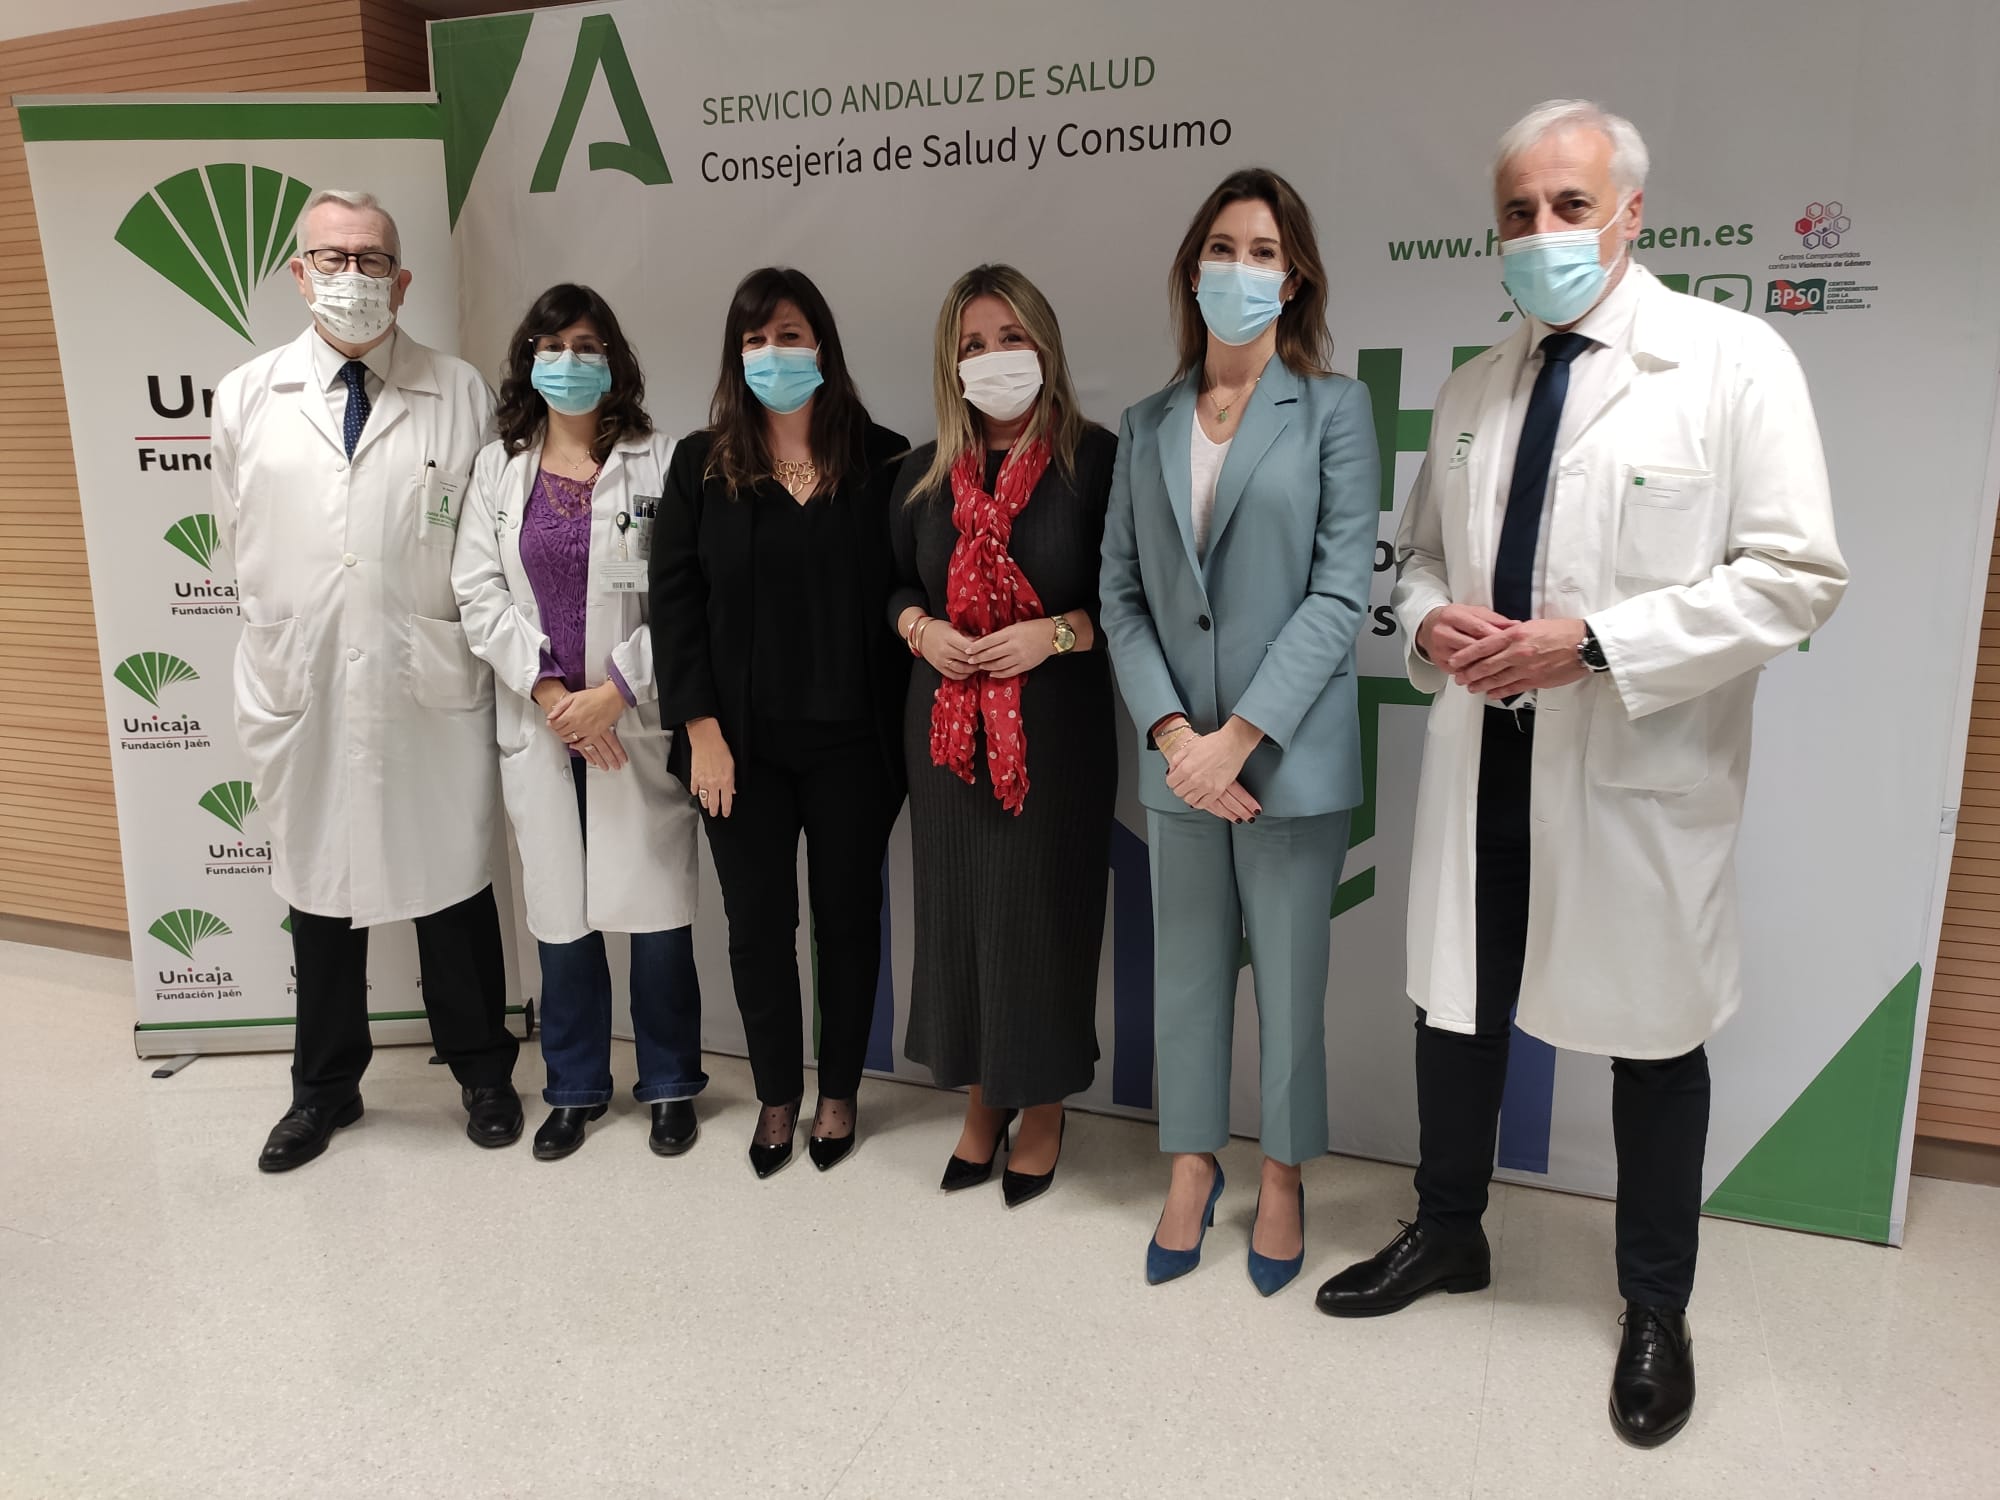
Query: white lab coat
[[636, 870], [1723, 557], [367, 721]]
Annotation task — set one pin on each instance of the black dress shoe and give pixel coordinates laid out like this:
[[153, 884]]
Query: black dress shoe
[[674, 1126], [1415, 1262], [495, 1115], [303, 1134], [829, 1151], [960, 1174], [1017, 1188], [562, 1131], [1652, 1388], [767, 1159]]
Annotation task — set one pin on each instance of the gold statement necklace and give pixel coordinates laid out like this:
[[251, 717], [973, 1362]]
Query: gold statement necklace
[[797, 478]]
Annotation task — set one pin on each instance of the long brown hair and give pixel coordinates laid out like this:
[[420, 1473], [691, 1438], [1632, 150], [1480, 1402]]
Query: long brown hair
[[1304, 344], [740, 456], [524, 416], [1055, 417]]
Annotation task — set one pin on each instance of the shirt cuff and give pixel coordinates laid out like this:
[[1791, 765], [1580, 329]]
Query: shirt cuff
[[550, 669], [617, 679]]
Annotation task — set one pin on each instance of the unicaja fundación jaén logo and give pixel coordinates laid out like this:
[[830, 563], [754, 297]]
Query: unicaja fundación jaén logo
[[149, 673], [196, 536], [217, 232], [231, 801], [184, 929]]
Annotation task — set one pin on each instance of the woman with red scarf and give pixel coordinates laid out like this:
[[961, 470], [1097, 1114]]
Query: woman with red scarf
[[1008, 730]]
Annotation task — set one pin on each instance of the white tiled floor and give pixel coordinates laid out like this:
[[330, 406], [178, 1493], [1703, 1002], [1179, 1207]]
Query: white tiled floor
[[411, 1316]]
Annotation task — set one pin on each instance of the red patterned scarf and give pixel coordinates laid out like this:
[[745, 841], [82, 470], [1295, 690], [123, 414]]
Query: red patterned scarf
[[985, 592]]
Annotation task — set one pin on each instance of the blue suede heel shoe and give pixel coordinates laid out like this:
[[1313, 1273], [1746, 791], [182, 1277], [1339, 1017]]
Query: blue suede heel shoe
[[1269, 1275], [1163, 1264]]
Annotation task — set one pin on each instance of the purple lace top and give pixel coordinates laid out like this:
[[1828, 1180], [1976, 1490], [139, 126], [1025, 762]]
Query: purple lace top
[[555, 553]]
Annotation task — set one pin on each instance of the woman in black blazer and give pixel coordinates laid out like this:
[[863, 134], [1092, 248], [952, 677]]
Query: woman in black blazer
[[770, 573]]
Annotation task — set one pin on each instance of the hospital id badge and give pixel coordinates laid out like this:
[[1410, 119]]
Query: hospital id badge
[[623, 577], [437, 524]]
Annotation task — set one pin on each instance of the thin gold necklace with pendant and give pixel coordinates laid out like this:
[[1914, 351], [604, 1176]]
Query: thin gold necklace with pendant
[[1222, 412]]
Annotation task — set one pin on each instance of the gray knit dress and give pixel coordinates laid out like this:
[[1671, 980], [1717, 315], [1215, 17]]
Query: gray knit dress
[[1010, 910]]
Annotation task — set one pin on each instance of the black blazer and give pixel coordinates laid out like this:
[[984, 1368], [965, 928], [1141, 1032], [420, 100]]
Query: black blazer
[[700, 581]]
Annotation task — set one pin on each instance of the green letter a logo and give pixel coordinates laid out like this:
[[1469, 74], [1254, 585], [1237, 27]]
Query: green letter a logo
[[598, 46]]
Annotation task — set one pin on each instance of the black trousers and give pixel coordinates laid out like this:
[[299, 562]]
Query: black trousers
[[1659, 1109], [829, 782], [465, 996]]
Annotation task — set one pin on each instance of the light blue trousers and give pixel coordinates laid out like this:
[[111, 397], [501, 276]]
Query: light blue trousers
[[1214, 884]]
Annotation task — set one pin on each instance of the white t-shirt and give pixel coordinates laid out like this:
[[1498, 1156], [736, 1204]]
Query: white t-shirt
[[1205, 466]]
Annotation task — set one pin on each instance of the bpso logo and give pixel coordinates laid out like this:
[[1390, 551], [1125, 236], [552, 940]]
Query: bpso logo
[[151, 674], [216, 233], [232, 802], [1796, 297], [184, 931], [197, 537]]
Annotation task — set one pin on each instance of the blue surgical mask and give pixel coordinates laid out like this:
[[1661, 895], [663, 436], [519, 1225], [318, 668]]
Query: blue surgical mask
[[783, 379], [573, 384], [1558, 277], [1238, 302]]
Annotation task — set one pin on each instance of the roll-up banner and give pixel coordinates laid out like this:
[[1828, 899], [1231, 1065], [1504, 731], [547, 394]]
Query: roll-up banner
[[167, 224]]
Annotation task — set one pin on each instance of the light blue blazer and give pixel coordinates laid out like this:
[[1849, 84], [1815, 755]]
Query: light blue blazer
[[1265, 625]]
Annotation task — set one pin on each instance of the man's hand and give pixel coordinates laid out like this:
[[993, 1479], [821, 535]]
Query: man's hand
[[1520, 658], [1451, 628]]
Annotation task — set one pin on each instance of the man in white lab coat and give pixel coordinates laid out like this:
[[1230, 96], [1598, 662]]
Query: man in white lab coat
[[339, 464], [1623, 514]]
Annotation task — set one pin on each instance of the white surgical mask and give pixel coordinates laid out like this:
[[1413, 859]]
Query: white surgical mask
[[1002, 384], [352, 307]]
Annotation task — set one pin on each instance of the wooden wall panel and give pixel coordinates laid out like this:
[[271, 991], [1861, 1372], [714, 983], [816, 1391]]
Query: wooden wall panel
[[59, 853], [1960, 1096]]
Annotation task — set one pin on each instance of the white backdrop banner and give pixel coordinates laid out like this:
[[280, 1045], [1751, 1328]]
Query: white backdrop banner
[[166, 225], [1804, 156]]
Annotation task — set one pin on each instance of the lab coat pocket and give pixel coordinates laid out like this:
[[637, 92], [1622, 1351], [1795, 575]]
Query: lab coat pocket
[[1666, 530], [515, 722], [1664, 752], [275, 668], [443, 671]]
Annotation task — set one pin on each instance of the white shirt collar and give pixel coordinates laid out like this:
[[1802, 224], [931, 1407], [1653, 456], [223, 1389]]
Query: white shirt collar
[[1609, 323], [329, 361]]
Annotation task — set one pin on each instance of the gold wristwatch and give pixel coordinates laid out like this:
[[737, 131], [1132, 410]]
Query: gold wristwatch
[[1065, 636]]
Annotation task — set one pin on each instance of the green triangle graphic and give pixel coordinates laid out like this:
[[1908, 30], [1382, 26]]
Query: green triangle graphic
[[1829, 1162], [474, 63]]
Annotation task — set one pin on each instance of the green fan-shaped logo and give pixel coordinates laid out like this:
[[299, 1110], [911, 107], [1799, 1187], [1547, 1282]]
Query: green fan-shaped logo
[[216, 232], [147, 672], [182, 930], [194, 535], [231, 801]]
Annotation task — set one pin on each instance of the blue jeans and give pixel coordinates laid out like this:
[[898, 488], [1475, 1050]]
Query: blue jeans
[[576, 1014]]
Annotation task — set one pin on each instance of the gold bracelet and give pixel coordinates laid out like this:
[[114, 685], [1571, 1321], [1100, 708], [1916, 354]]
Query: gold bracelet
[[917, 635]]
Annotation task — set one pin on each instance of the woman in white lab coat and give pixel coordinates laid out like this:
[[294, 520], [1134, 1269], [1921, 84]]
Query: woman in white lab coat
[[550, 571]]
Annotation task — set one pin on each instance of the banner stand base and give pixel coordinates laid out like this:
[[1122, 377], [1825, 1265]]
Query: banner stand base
[[276, 1036]]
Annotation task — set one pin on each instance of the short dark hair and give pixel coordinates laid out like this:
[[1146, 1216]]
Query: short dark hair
[[739, 456], [1304, 344], [523, 416]]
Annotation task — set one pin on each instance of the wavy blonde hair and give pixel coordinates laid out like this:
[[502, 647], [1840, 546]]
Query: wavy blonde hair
[[1055, 416]]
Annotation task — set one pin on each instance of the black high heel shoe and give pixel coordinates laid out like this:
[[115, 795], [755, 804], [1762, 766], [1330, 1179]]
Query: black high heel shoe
[[765, 1160], [829, 1151], [1023, 1187], [960, 1173]]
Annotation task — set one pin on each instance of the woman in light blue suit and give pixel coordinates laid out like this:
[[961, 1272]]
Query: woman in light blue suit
[[1237, 557]]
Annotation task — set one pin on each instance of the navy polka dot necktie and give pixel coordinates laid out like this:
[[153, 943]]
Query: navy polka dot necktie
[[355, 375]]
